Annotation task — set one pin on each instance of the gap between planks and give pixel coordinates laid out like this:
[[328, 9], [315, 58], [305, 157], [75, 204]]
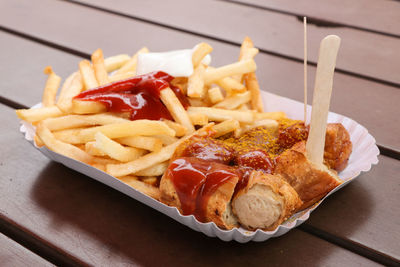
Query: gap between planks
[[37, 245], [222, 40], [352, 246], [311, 20]]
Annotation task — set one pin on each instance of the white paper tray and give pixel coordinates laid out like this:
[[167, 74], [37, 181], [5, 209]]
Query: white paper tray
[[365, 154]]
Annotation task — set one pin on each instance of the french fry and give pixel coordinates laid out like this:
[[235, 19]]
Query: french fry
[[145, 142], [231, 86], [217, 114], [117, 130], [87, 107], [38, 141], [77, 121], [241, 67], [243, 107], [276, 115], [60, 147], [122, 76], [115, 150], [247, 51], [150, 159], [215, 95], [130, 65], [71, 87], [91, 149], [272, 125], [234, 101], [178, 128], [144, 162], [142, 187], [197, 102], [99, 67], [198, 119], [88, 76], [38, 114], [155, 170], [176, 109], [200, 52], [51, 87], [115, 62], [166, 139], [196, 83], [225, 127], [254, 88], [151, 180]]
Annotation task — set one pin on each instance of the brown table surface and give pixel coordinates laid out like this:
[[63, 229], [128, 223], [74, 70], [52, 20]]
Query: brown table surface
[[50, 214]]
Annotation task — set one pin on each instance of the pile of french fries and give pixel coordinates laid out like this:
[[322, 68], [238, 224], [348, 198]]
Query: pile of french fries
[[226, 99]]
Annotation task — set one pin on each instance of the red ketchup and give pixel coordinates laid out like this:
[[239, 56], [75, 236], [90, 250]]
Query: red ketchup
[[195, 180], [140, 96]]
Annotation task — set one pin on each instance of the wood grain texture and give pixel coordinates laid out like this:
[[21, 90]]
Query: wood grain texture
[[380, 16], [103, 227], [367, 210], [13, 254], [369, 103], [361, 52]]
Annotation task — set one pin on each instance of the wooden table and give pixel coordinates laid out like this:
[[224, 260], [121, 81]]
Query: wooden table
[[50, 214]]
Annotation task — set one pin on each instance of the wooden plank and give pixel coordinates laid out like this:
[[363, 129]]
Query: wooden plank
[[22, 78], [361, 52], [103, 227], [13, 254], [367, 210], [379, 16], [353, 97]]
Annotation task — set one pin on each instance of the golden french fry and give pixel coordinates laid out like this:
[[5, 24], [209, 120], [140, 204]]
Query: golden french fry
[[51, 87], [122, 76], [276, 115], [176, 109], [38, 141], [144, 162], [196, 83], [197, 102], [71, 88], [38, 114], [116, 151], [240, 67], [200, 52], [145, 142], [244, 107], [87, 107], [234, 101], [247, 51], [231, 86], [150, 159], [198, 119], [88, 76], [215, 95], [266, 123], [60, 147], [99, 67], [217, 114], [116, 130], [130, 66], [178, 128], [115, 62], [142, 187], [155, 170], [254, 88], [225, 127], [91, 149], [78, 121], [166, 139], [151, 180]]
